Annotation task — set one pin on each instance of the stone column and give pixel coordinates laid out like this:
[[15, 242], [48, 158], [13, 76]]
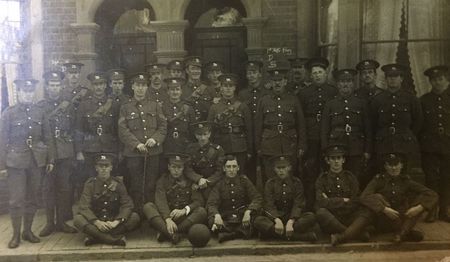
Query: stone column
[[86, 46], [349, 28], [255, 49], [170, 39]]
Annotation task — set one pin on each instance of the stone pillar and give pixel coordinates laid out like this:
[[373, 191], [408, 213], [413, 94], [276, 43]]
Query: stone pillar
[[170, 39], [349, 28], [86, 46], [255, 49]]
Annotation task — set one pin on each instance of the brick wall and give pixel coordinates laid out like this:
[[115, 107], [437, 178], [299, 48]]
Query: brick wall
[[59, 39], [281, 28]]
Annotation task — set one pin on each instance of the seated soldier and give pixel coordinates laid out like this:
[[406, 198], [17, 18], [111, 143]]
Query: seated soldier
[[177, 205], [105, 208], [206, 159], [284, 204], [397, 200], [232, 203], [337, 210]]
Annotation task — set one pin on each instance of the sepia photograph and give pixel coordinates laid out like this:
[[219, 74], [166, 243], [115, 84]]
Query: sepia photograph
[[225, 130]]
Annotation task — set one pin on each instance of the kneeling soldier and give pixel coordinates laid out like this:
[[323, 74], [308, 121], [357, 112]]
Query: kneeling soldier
[[105, 209], [231, 203], [397, 200], [337, 209], [284, 203], [177, 205]]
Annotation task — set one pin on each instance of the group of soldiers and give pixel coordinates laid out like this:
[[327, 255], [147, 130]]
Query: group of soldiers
[[181, 145]]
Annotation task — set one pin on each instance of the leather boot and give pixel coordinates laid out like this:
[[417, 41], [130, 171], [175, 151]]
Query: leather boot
[[227, 236], [105, 238], [160, 226], [16, 224], [307, 237], [63, 227], [405, 229], [352, 231], [27, 234], [50, 225]]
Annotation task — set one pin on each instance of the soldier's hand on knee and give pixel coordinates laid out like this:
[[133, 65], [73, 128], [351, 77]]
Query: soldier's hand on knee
[[218, 221], [289, 228], [246, 218], [113, 224], [391, 213], [279, 227], [101, 225], [142, 148], [171, 226], [203, 183], [177, 213], [49, 168], [414, 211]]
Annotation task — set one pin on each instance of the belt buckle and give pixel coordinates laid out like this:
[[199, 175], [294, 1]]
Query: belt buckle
[[57, 133], [175, 134], [392, 130], [280, 128], [29, 142], [99, 131], [348, 128], [441, 130], [318, 117]]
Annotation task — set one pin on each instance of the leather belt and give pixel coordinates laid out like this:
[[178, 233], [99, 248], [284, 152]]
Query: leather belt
[[280, 127]]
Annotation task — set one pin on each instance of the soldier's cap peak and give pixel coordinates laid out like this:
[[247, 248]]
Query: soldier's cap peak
[[228, 78], [298, 61], [175, 64], [253, 64], [193, 61], [139, 77], [394, 158], [27, 85], [105, 158], [55, 75], [116, 73], [281, 160], [367, 64], [73, 66], [336, 150], [201, 126], [155, 67], [97, 77], [174, 81], [435, 71], [347, 73], [214, 65], [317, 61], [394, 69], [177, 158]]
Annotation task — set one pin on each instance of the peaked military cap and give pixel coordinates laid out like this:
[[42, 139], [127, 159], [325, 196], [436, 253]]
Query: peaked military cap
[[228, 78], [214, 65], [394, 158], [317, 61], [345, 74], [255, 65], [155, 68], [116, 74], [281, 160], [367, 64], [336, 150], [201, 127], [139, 77], [97, 77], [394, 69], [279, 70], [193, 61], [436, 71], [177, 158], [27, 85], [105, 158], [298, 61], [175, 64], [53, 75], [73, 66], [174, 81]]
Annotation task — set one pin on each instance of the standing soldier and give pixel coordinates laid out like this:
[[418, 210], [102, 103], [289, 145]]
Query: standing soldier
[[337, 209], [397, 117], [74, 92], [179, 117], [177, 205], [116, 78], [284, 204], [313, 99], [157, 91], [280, 125], [196, 93], [57, 185], [233, 121], [397, 200], [214, 70], [435, 137], [96, 126], [206, 159], [346, 120], [233, 203], [299, 76], [142, 130], [368, 79], [26, 150], [176, 69], [105, 208], [250, 95]]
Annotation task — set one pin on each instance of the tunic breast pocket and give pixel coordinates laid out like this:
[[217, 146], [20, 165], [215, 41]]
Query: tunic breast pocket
[[19, 128], [133, 122], [150, 118]]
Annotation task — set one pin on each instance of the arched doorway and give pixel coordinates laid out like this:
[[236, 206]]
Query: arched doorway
[[125, 39], [217, 33]]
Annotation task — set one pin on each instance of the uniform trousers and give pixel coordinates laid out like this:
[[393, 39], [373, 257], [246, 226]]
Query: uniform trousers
[[24, 185], [80, 222], [437, 177], [58, 190], [336, 221], [304, 223]]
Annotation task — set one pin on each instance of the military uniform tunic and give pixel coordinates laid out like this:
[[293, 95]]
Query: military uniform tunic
[[435, 144], [74, 95], [179, 117], [25, 149], [200, 97], [367, 93], [160, 95]]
